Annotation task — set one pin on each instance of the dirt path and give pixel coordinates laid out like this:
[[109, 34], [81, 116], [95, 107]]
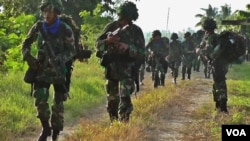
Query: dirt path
[[171, 123]]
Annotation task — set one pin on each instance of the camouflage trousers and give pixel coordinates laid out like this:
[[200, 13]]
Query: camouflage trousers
[[219, 71], [118, 98], [41, 94]]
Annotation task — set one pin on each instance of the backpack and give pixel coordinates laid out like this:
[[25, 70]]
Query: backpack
[[234, 45]]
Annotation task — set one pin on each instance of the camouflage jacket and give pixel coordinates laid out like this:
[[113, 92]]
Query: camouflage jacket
[[208, 46], [132, 35], [175, 51], [188, 48], [158, 47], [62, 43]]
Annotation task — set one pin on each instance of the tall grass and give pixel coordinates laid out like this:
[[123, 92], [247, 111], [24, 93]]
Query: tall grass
[[17, 110], [210, 121]]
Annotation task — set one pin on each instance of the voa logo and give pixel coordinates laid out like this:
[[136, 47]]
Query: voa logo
[[236, 132]]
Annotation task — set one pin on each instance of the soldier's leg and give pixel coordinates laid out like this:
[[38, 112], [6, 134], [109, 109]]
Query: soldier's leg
[[127, 87], [189, 72], [41, 94], [156, 78], [142, 72], [162, 75], [220, 87], [57, 118], [68, 74], [183, 71], [113, 99]]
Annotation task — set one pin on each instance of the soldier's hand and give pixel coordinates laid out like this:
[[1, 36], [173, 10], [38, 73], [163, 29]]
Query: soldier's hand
[[32, 62], [123, 47], [112, 40]]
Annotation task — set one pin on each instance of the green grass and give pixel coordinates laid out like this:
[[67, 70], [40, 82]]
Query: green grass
[[238, 102], [17, 110], [18, 114]]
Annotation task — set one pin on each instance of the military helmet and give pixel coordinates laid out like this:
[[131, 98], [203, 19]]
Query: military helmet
[[209, 24], [156, 33], [187, 34], [128, 11], [174, 36], [55, 4]]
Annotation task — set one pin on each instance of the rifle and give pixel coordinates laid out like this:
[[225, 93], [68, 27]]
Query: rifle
[[107, 57], [56, 62], [117, 31]]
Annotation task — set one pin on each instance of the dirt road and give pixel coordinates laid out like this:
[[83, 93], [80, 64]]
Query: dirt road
[[171, 123]]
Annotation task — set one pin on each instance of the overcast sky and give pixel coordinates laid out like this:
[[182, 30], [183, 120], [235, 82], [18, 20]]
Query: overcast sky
[[153, 14]]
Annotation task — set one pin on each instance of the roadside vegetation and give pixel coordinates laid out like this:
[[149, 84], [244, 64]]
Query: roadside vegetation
[[17, 109]]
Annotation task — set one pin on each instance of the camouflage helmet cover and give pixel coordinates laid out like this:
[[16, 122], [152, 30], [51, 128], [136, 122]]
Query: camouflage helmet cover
[[187, 34], [55, 4], [209, 24], [128, 10], [174, 36], [156, 33]]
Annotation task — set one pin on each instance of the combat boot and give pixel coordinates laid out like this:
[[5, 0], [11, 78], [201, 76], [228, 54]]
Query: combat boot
[[217, 105], [156, 82], [223, 106], [183, 76], [125, 118], [55, 135], [46, 131], [189, 76], [113, 117]]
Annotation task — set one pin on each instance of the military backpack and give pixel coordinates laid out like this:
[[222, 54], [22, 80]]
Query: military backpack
[[234, 45]]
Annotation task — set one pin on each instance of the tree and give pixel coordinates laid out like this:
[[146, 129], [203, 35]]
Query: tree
[[14, 8], [210, 12]]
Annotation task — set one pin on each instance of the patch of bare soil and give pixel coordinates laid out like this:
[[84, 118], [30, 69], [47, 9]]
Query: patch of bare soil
[[171, 123]]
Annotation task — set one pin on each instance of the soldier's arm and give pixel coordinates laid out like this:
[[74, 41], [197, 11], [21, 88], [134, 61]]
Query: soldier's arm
[[31, 37], [69, 42], [101, 42], [137, 49]]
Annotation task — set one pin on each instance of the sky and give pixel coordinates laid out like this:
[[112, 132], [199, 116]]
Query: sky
[[177, 15]]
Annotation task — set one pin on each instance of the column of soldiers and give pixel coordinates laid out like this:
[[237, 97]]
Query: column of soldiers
[[123, 56]]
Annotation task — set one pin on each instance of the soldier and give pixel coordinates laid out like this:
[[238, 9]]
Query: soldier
[[123, 51], [197, 40], [55, 43], [188, 48], [175, 56], [158, 50], [213, 53]]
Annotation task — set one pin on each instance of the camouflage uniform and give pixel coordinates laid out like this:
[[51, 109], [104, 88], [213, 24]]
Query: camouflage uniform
[[197, 40], [61, 38], [188, 48], [158, 48], [219, 65], [175, 56], [120, 66]]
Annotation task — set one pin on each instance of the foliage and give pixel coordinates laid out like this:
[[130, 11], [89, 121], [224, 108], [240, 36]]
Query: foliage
[[17, 110], [14, 8], [93, 25], [12, 34]]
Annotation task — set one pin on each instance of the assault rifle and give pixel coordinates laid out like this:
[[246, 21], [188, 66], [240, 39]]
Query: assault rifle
[[57, 63], [117, 31]]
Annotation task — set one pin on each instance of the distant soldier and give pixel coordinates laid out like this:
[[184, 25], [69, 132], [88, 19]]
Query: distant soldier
[[122, 53], [56, 47], [175, 56], [188, 48], [197, 36], [158, 50]]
